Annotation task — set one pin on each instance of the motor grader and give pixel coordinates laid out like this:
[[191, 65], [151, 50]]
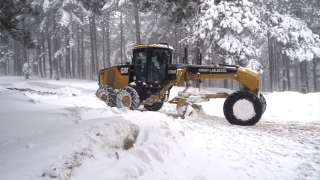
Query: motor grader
[[148, 79]]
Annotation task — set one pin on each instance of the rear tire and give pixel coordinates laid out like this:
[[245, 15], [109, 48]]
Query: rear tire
[[243, 108], [128, 98], [155, 106], [107, 95]]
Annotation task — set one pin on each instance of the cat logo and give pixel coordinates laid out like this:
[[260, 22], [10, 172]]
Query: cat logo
[[124, 70]]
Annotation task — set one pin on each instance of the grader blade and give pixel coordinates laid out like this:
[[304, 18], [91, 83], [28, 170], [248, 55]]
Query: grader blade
[[190, 109]]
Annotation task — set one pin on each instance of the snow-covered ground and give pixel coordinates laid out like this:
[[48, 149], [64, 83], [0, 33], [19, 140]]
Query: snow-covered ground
[[59, 129]]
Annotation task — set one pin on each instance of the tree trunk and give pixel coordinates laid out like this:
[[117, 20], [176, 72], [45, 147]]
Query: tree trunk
[[25, 51], [25, 55], [265, 82], [67, 40], [304, 77], [44, 55], [108, 41], [49, 53], [16, 55], [103, 47], [124, 50], [121, 38], [73, 62], [271, 64], [61, 70], [296, 77], [284, 76], [6, 67], [72, 55], [137, 23], [276, 66], [39, 61], [83, 63], [176, 55], [15, 59], [186, 55], [314, 71], [35, 54], [95, 75], [92, 48], [287, 60], [78, 53], [55, 47], [49, 46]]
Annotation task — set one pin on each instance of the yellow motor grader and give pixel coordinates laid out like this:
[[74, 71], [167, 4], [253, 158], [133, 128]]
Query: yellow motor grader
[[148, 79]]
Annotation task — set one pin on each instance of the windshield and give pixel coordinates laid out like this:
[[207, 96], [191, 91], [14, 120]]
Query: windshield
[[141, 65], [150, 66]]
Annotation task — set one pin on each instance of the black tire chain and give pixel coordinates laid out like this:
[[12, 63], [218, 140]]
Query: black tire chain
[[135, 100], [110, 93]]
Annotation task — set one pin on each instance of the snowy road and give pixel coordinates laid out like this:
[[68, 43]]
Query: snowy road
[[58, 129]]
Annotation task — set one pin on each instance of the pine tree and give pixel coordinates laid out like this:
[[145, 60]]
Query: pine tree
[[228, 31], [12, 14]]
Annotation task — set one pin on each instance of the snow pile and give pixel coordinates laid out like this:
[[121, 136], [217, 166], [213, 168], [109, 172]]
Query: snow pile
[[69, 91]]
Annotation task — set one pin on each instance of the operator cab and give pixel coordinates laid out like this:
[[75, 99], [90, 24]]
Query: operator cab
[[151, 63], [150, 68]]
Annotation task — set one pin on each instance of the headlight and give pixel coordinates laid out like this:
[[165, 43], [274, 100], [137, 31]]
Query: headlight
[[172, 71]]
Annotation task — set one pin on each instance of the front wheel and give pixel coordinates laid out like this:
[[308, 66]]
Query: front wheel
[[107, 95], [243, 108], [155, 106], [128, 98]]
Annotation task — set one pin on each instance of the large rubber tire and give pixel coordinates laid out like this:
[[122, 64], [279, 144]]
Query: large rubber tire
[[107, 95], [155, 106], [263, 102], [242, 108], [128, 98]]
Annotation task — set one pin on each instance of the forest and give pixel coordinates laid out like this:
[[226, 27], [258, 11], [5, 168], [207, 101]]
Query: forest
[[76, 38]]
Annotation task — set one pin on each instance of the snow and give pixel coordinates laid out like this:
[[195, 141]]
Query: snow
[[241, 106], [65, 18], [45, 5], [60, 130]]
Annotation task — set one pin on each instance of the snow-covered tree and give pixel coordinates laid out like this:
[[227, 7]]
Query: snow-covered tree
[[229, 30], [175, 10], [297, 41], [278, 63], [170, 21], [5, 55], [12, 15]]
